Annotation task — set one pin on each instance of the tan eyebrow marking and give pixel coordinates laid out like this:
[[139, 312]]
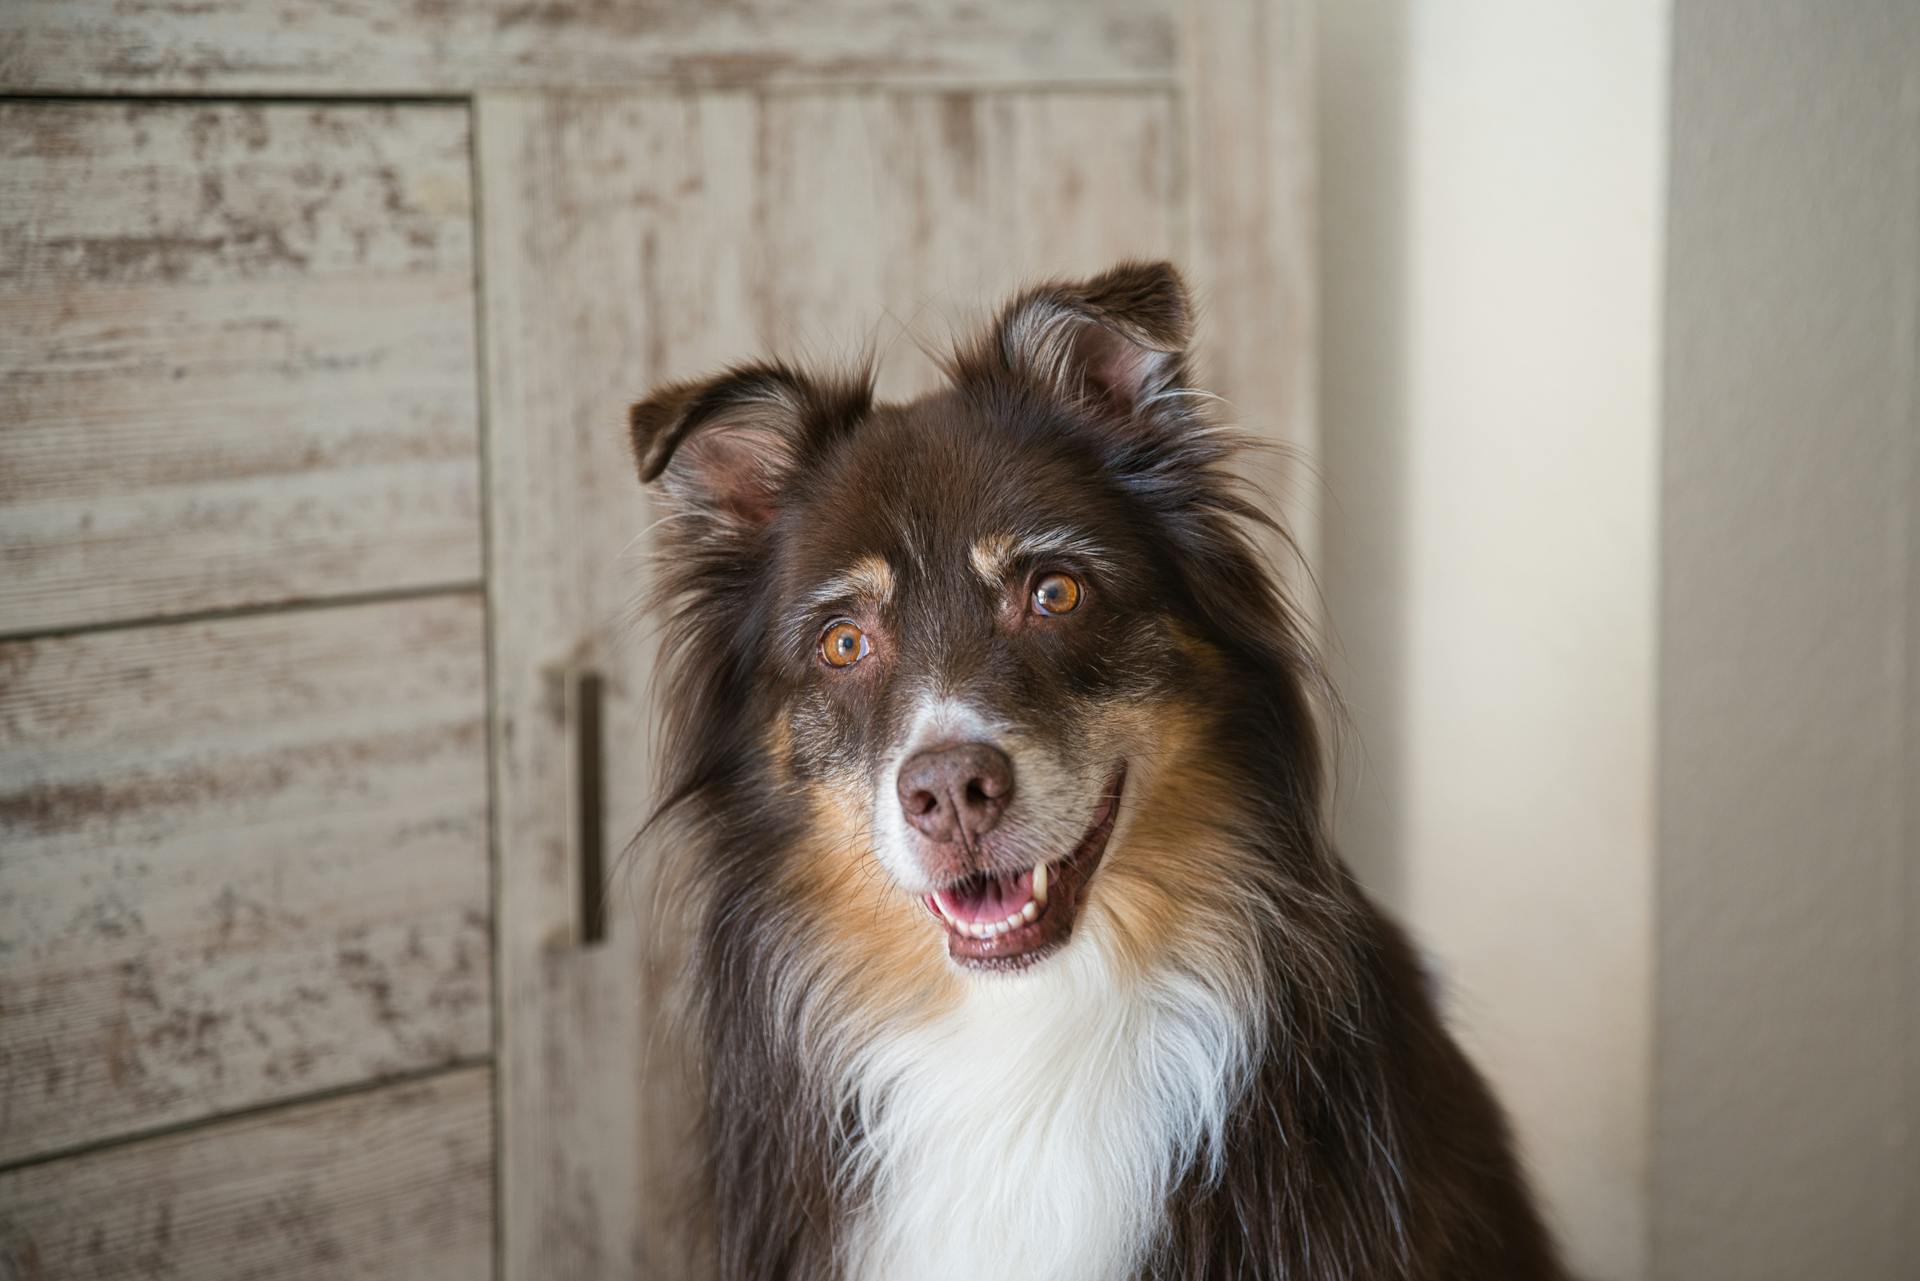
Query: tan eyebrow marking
[[995, 554], [989, 557], [869, 578], [872, 577]]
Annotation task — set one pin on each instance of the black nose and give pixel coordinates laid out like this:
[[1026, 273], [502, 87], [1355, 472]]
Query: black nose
[[956, 793]]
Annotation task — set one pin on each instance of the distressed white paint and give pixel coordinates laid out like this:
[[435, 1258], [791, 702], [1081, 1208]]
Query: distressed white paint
[[393, 1182], [240, 861], [237, 360], [305, 47]]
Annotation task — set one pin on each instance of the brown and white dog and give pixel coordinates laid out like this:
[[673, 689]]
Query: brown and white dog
[[1022, 949]]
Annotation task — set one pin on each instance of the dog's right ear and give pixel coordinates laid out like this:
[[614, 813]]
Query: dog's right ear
[[1113, 343], [724, 448]]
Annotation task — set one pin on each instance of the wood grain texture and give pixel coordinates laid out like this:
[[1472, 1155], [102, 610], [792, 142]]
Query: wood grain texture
[[1249, 96], [236, 356], [239, 861], [636, 239], [437, 46], [390, 1183]]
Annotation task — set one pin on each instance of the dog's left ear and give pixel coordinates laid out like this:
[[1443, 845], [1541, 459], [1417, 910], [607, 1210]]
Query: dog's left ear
[[1112, 343]]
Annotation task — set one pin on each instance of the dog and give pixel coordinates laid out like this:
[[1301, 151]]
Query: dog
[[1020, 944]]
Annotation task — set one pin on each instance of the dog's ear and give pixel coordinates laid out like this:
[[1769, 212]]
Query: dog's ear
[[1112, 343], [724, 448]]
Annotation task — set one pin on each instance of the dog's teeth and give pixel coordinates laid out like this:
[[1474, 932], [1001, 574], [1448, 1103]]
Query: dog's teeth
[[1014, 921], [1040, 884], [1031, 910]]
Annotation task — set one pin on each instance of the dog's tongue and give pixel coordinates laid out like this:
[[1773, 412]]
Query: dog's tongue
[[986, 899]]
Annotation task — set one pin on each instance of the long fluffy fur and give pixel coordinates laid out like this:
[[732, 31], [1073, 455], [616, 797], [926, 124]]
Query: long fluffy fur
[[1042, 1123], [1235, 1069]]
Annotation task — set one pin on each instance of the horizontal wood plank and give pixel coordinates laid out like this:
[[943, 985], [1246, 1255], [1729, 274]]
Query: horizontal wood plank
[[392, 1183], [236, 357], [239, 861], [638, 239], [431, 46]]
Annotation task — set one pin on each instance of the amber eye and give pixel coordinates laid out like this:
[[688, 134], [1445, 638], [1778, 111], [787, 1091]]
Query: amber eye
[[843, 644], [1056, 594]]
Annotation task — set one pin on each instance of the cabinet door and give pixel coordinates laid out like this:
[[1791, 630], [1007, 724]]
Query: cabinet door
[[237, 375], [236, 357], [635, 239], [245, 928]]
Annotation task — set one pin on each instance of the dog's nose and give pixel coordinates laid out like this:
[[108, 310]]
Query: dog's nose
[[956, 793]]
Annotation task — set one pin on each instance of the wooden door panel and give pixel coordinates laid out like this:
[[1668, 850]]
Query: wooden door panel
[[1248, 103], [297, 47], [237, 359], [240, 861], [394, 1183], [245, 860], [640, 238]]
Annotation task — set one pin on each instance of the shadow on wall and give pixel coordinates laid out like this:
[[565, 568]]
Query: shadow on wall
[[1363, 100]]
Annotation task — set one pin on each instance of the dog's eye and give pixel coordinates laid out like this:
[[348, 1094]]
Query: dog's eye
[[843, 644], [1056, 594]]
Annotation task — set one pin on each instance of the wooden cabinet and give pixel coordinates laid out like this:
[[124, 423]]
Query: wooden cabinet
[[388, 1182], [323, 697], [246, 861], [236, 357], [245, 872]]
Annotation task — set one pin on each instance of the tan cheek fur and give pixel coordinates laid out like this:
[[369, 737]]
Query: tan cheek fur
[[888, 952], [1173, 881], [1169, 884]]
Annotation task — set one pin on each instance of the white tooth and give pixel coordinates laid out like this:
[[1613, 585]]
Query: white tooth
[[982, 931], [1031, 910], [1040, 884], [1013, 920]]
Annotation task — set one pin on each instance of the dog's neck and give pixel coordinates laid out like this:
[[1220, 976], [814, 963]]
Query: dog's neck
[[1040, 1125]]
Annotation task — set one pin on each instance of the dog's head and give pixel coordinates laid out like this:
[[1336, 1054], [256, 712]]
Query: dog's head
[[971, 641]]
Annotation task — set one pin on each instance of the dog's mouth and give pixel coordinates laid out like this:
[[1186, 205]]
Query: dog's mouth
[[1007, 921]]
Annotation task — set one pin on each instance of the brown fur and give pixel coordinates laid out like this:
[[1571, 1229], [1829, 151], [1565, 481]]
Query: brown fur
[[1364, 1146]]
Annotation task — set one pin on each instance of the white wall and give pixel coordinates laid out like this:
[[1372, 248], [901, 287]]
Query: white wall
[[1491, 226], [1787, 1089]]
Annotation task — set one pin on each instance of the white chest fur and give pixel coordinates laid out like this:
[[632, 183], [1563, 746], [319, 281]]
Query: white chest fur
[[1037, 1129]]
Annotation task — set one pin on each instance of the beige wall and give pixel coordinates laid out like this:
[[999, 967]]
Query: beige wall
[[1491, 217], [1592, 433], [1787, 1100]]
